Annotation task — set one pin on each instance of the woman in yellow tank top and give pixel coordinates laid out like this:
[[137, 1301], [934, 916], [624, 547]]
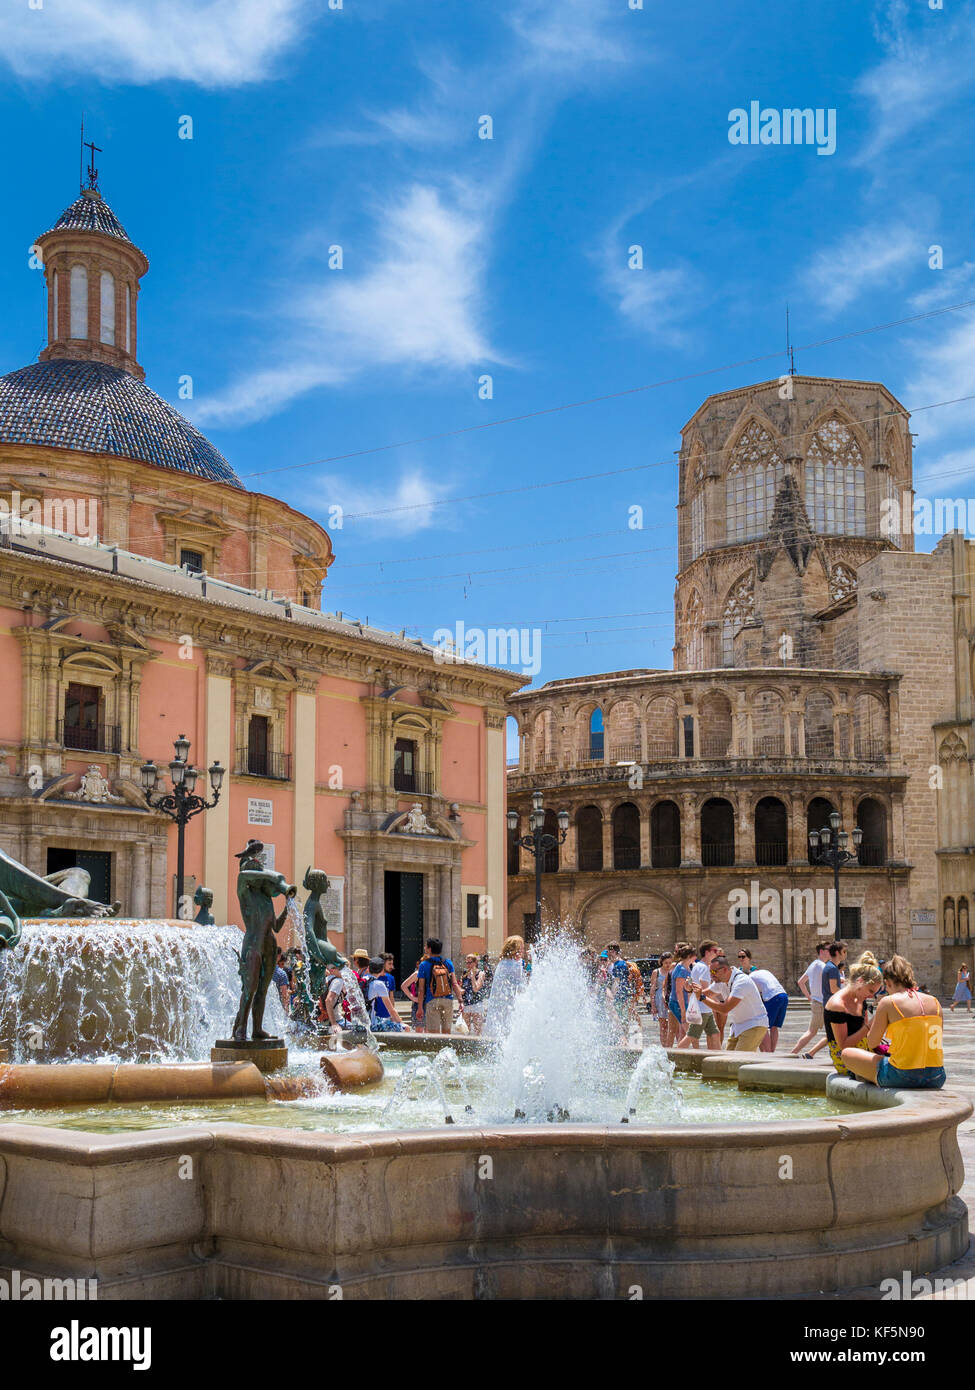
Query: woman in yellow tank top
[[913, 1023]]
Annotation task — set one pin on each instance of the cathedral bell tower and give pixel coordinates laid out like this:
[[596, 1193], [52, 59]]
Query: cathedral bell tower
[[92, 271]]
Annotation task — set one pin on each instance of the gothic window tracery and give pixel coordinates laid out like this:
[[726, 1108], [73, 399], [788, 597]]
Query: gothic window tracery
[[835, 481], [754, 474], [739, 608]]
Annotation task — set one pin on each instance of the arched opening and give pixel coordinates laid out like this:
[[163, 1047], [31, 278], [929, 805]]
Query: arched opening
[[541, 739], [817, 818], [512, 742], [661, 722], [626, 836], [771, 831], [869, 729], [106, 322], [624, 726], [665, 835], [717, 833], [589, 837], [597, 737], [550, 862], [819, 725], [714, 725], [78, 318], [872, 820]]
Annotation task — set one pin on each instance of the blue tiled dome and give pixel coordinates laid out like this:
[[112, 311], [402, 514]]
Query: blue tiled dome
[[67, 404], [90, 213]]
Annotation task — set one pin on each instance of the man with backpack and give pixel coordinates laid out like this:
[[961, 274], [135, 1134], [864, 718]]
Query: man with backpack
[[437, 988]]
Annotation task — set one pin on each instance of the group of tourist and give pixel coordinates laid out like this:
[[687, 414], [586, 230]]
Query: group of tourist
[[696, 991], [900, 1043], [877, 1024]]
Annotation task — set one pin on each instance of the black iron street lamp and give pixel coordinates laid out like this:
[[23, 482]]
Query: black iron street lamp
[[828, 846], [538, 842], [182, 803]]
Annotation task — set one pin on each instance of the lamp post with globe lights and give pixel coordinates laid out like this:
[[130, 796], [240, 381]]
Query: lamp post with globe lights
[[182, 803], [829, 846], [538, 842]]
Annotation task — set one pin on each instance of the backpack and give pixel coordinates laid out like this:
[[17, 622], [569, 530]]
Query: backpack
[[439, 979]]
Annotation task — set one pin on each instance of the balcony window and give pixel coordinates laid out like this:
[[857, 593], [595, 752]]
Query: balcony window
[[771, 831], [717, 833], [83, 725], [665, 835], [626, 836], [404, 765], [191, 560], [258, 759], [589, 838]]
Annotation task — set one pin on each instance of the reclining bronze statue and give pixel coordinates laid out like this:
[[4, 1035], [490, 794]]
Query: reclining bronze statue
[[26, 894]]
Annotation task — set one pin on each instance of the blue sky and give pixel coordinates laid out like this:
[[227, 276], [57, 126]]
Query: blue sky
[[463, 257]]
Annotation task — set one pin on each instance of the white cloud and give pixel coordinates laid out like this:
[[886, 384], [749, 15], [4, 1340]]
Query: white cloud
[[419, 304], [413, 490], [650, 299], [215, 43], [954, 283], [862, 260], [922, 73], [943, 372], [574, 34]]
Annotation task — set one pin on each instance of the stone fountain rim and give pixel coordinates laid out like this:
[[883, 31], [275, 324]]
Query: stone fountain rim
[[909, 1112]]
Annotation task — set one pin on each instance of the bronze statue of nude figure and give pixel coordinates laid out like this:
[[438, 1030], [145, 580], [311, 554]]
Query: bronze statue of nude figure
[[257, 888]]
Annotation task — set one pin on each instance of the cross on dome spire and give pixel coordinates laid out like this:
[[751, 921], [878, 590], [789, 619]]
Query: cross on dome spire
[[92, 184]]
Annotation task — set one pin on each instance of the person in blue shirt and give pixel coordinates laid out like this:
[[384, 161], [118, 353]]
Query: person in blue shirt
[[435, 1012], [618, 980], [832, 973], [383, 1017]]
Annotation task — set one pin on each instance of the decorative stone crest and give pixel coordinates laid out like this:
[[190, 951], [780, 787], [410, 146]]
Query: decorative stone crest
[[94, 788], [416, 822]]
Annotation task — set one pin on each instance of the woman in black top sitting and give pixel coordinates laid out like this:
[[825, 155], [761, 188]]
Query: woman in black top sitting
[[845, 1017]]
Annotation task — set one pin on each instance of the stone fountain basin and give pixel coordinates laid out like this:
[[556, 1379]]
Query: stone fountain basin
[[560, 1211]]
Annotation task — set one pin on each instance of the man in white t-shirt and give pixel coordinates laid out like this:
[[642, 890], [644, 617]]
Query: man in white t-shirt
[[743, 1008], [811, 984], [333, 996], [701, 974]]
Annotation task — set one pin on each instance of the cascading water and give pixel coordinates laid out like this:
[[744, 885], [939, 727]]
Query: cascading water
[[654, 1074], [558, 1055], [131, 990], [433, 1077], [357, 1007]]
